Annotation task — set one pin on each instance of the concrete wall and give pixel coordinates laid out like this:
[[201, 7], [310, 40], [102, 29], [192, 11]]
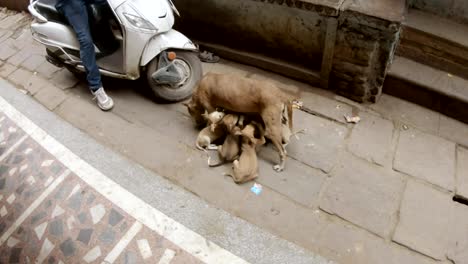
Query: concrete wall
[[273, 30], [15, 4], [455, 9]]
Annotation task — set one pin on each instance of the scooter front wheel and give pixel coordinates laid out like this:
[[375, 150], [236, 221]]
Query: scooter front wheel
[[187, 62]]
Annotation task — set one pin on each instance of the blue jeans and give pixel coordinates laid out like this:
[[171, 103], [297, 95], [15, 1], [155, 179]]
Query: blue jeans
[[76, 13]]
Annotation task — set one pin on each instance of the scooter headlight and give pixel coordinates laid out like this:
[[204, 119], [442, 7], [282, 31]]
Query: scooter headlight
[[134, 18], [139, 22]]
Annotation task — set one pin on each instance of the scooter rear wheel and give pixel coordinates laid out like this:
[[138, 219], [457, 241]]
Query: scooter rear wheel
[[190, 64]]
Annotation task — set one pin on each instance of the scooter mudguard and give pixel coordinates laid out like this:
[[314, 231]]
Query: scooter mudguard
[[171, 39]]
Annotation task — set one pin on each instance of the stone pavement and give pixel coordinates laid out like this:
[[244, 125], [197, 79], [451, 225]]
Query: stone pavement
[[380, 191]]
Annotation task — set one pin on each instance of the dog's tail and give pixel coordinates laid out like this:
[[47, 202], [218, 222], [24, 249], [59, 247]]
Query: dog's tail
[[214, 164]]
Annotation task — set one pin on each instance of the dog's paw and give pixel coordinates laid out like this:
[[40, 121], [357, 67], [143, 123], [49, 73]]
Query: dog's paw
[[278, 168]]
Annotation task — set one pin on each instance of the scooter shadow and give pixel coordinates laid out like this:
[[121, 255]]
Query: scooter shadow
[[119, 86]]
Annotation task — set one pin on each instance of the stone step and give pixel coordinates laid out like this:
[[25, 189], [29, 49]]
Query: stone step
[[429, 87], [435, 41]]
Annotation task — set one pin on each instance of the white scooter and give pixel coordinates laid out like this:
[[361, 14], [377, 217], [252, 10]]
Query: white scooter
[[131, 37]]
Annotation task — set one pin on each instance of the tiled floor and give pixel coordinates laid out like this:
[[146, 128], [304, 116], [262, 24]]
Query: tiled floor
[[49, 215]]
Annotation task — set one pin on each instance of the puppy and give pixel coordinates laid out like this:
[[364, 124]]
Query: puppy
[[246, 167], [244, 95], [210, 133], [213, 118], [230, 149]]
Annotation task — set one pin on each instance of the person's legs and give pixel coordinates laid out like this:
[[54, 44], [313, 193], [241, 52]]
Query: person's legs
[[77, 15]]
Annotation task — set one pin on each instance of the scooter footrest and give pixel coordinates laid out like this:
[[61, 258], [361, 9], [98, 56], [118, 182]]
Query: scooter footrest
[[54, 61]]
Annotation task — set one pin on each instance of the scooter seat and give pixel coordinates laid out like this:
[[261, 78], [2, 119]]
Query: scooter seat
[[48, 10]]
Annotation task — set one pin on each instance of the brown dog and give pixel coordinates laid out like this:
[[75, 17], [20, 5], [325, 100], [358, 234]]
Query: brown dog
[[246, 168], [243, 95]]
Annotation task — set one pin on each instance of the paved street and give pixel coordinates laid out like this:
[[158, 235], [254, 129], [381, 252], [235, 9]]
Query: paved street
[[380, 191]]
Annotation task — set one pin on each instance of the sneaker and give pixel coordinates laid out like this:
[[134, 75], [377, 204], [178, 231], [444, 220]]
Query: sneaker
[[103, 100]]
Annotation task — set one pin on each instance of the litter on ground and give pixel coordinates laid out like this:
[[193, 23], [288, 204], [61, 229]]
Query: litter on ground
[[256, 188], [352, 119]]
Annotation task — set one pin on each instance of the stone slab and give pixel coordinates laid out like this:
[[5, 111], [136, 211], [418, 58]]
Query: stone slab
[[33, 62], [20, 77], [19, 57], [408, 113], [435, 25], [424, 220], [453, 130], [427, 157], [35, 83], [344, 243], [47, 70], [461, 187], [391, 10], [50, 97], [6, 69], [298, 224], [12, 22], [371, 139], [298, 182], [321, 142], [435, 80], [326, 106], [64, 79], [365, 194], [7, 50], [458, 233]]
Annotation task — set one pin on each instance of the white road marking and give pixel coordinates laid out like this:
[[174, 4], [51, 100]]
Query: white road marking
[[167, 257], [33, 206], [188, 240], [6, 153], [123, 243]]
